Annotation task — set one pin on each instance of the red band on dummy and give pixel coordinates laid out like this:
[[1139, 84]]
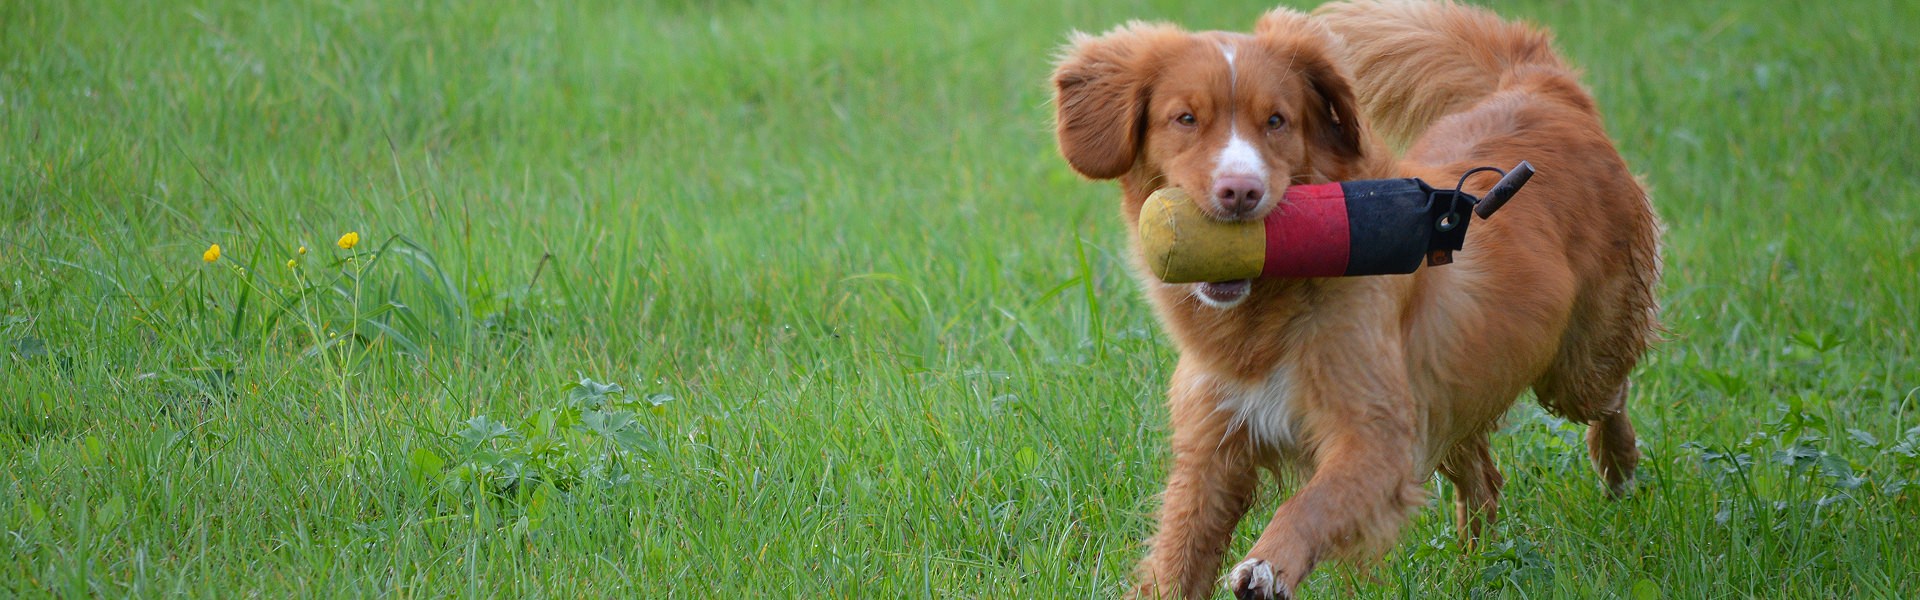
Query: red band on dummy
[[1307, 234]]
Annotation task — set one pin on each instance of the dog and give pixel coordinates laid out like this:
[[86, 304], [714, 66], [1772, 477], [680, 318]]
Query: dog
[[1363, 387]]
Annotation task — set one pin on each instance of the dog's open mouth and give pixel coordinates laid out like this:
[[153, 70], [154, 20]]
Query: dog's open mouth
[[1223, 294]]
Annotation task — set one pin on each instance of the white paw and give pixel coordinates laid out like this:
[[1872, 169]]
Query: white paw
[[1252, 579]]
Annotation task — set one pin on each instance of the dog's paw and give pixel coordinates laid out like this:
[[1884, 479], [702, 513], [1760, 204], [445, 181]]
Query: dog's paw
[[1619, 491], [1253, 579]]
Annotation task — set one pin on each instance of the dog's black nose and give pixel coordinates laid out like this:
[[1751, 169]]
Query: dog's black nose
[[1238, 196]]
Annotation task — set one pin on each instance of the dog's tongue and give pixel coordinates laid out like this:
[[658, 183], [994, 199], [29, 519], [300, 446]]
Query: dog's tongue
[[1226, 292]]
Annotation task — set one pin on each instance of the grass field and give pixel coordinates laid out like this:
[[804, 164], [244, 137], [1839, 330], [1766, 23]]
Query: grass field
[[872, 337]]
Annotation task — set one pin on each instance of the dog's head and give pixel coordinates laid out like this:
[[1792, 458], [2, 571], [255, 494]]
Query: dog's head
[[1232, 119]]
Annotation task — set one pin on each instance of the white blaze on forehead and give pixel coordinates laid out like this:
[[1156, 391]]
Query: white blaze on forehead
[[1227, 51], [1238, 159]]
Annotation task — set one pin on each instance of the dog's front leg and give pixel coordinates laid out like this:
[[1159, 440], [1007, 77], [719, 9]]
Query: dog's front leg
[[1209, 489], [1361, 491]]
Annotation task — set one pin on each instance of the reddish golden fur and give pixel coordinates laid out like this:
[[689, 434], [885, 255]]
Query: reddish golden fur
[[1367, 385]]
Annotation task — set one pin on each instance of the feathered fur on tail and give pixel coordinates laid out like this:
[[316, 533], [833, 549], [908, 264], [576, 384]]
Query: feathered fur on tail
[[1415, 61]]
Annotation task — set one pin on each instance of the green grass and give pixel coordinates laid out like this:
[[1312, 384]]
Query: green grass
[[903, 354]]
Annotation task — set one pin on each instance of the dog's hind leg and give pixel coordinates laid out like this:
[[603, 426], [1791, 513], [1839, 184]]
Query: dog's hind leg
[[1589, 380], [1611, 444], [1476, 487], [1601, 403]]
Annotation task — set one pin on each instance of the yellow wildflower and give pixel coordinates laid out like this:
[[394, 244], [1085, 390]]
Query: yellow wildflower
[[212, 253], [291, 264], [348, 241], [303, 250]]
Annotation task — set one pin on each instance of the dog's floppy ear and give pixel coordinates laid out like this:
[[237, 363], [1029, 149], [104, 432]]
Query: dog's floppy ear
[[1101, 86], [1309, 48]]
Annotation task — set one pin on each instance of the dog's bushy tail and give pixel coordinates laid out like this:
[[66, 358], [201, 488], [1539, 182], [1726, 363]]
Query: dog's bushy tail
[[1415, 61]]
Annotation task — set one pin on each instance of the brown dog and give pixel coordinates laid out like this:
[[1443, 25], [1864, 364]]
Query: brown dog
[[1366, 385]]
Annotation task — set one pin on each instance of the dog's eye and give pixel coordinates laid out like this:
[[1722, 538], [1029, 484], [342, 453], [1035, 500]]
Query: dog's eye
[[1186, 119], [1276, 121]]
